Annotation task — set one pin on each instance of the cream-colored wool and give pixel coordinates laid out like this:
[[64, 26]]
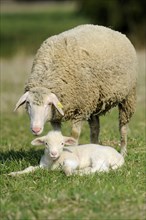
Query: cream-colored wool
[[91, 69]]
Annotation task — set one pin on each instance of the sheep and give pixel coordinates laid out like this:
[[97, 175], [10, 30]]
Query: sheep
[[81, 159], [80, 75]]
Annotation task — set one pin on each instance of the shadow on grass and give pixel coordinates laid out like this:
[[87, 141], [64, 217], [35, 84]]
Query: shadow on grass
[[32, 156]]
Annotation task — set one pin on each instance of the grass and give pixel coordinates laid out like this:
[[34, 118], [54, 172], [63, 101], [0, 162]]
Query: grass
[[118, 195], [51, 195]]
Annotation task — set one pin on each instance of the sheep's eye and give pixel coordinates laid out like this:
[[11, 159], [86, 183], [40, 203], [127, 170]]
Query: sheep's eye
[[62, 143], [46, 144]]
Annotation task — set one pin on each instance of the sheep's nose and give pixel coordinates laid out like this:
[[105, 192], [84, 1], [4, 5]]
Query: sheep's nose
[[36, 129]]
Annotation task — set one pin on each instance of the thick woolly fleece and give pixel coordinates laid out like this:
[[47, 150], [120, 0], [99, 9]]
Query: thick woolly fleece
[[90, 68]]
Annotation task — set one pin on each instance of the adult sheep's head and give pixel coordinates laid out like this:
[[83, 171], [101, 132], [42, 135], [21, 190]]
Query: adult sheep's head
[[39, 103]]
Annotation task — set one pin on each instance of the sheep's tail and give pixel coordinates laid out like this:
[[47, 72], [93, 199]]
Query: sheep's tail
[[27, 170]]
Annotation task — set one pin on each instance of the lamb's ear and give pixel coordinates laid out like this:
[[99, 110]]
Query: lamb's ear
[[54, 100], [21, 101], [38, 141], [69, 141]]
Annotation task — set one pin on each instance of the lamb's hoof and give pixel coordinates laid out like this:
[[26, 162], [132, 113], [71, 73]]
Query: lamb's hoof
[[12, 174]]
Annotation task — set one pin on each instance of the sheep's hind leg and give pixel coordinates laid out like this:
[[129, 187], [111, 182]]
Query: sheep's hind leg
[[123, 134], [94, 124], [126, 110]]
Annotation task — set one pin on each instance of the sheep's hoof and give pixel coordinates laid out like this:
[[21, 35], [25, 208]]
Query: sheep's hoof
[[124, 151]]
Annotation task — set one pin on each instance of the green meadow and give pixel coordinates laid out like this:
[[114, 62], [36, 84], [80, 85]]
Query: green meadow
[[117, 195]]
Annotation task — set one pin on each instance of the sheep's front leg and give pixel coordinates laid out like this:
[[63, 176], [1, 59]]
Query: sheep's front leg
[[69, 166], [76, 130], [123, 133], [126, 110], [56, 125], [94, 128]]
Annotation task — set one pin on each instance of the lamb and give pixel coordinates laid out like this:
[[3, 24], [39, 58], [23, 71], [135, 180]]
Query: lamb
[[82, 159], [80, 75]]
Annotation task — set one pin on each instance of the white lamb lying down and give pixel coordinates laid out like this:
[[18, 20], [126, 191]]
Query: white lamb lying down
[[81, 159]]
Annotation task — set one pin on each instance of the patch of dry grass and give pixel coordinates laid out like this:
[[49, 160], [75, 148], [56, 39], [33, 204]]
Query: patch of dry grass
[[14, 73]]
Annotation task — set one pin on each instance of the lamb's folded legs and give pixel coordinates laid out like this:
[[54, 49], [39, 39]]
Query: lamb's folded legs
[[69, 166], [99, 165], [81, 172], [90, 170], [96, 166]]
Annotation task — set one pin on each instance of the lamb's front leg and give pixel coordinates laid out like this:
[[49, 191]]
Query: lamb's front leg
[[44, 164], [27, 170]]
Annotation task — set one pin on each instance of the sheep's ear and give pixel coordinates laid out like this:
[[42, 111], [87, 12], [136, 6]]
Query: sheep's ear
[[38, 141], [69, 141], [54, 100], [21, 101]]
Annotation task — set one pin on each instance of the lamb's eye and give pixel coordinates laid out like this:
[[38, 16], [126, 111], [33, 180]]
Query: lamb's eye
[[62, 143]]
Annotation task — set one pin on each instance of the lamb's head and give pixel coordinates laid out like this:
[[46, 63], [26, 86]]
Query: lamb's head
[[54, 142], [39, 103]]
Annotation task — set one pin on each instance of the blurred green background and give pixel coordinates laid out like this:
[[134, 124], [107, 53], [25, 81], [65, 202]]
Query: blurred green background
[[25, 24]]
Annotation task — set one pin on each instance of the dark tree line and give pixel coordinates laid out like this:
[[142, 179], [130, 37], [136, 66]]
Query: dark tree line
[[29, 1], [127, 16]]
